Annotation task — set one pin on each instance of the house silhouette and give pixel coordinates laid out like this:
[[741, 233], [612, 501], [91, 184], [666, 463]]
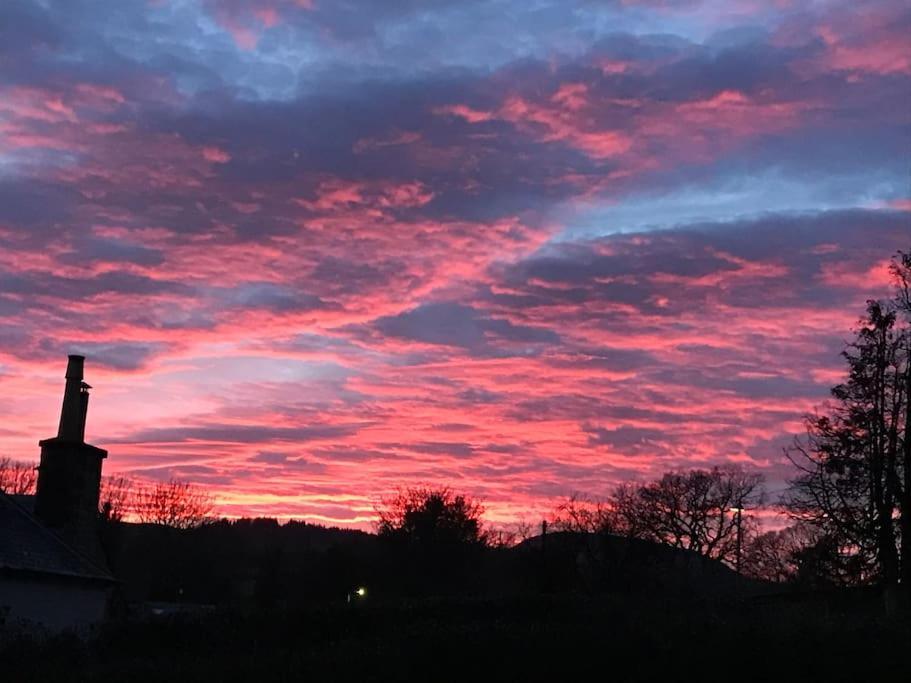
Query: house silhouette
[[53, 571]]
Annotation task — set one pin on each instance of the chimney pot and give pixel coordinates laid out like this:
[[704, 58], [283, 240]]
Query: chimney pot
[[75, 402], [75, 366]]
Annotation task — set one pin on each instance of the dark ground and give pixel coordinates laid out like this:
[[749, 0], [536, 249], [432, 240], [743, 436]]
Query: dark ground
[[555, 638]]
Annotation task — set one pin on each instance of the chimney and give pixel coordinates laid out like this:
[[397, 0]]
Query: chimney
[[75, 402], [69, 475]]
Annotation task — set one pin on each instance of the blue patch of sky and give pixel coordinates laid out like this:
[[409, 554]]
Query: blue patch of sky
[[730, 199]]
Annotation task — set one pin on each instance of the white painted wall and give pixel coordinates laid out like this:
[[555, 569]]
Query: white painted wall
[[55, 603]]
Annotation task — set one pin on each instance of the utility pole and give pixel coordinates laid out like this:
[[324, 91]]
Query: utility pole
[[545, 574], [738, 511]]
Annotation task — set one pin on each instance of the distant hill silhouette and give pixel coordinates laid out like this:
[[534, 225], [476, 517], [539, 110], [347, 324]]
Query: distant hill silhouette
[[620, 564], [256, 560], [262, 562]]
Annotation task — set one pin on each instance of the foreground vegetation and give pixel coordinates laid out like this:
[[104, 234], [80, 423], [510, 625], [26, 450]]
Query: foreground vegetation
[[566, 637]]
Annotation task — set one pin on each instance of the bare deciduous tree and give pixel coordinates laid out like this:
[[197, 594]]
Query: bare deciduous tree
[[784, 555], [17, 477], [503, 537], [770, 556], [117, 498], [706, 511], [174, 503], [700, 510], [582, 514]]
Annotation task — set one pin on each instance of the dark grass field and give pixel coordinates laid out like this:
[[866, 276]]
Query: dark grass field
[[561, 638]]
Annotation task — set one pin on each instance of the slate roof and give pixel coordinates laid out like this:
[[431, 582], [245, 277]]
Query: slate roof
[[27, 545]]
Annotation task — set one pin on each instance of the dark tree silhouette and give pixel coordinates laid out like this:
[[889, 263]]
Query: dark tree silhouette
[[116, 500], [770, 556], [854, 460], [800, 554], [17, 477], [901, 272], [432, 538], [176, 504], [424, 516], [706, 511], [585, 515]]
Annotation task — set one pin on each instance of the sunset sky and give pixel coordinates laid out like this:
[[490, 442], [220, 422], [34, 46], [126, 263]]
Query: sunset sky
[[314, 250]]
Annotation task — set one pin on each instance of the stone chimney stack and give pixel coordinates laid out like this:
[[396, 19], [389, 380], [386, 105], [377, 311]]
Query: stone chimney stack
[[69, 475]]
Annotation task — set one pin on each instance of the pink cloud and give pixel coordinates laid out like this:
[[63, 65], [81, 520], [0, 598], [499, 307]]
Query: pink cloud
[[645, 134], [216, 155], [246, 21]]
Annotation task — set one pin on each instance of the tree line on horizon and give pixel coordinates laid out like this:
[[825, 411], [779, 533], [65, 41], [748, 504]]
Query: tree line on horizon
[[849, 502]]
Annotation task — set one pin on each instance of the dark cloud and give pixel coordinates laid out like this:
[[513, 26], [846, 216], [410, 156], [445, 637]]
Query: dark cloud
[[25, 26], [89, 250], [76, 289], [117, 355], [32, 203], [627, 440], [453, 448], [789, 256], [236, 433], [271, 457], [480, 396], [287, 462], [453, 324], [277, 298], [354, 454]]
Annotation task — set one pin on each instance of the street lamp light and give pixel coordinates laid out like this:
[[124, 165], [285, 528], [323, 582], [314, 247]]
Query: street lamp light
[[358, 593]]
